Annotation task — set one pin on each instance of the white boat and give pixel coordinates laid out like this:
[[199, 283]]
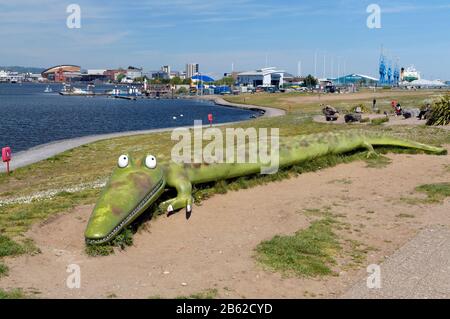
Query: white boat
[[48, 89], [410, 74], [69, 90]]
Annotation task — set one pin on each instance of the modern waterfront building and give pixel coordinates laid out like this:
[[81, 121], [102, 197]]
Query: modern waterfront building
[[192, 69], [356, 79], [133, 73], [201, 78], [62, 73], [263, 77], [424, 84]]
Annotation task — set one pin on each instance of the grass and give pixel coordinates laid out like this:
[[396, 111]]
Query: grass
[[17, 218], [319, 250], [403, 215], [378, 161], [4, 270], [88, 164], [310, 103], [123, 240], [309, 252], [207, 294], [435, 192], [9, 247], [12, 294]]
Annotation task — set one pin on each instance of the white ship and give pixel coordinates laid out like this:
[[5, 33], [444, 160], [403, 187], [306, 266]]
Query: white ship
[[410, 74]]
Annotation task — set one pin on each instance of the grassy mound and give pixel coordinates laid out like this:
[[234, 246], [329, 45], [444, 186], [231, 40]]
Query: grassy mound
[[307, 253]]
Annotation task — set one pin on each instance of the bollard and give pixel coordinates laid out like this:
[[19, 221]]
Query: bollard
[[6, 157], [210, 119]]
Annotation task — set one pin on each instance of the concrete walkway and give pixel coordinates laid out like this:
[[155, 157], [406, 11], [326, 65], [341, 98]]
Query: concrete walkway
[[269, 111], [45, 151], [418, 270]]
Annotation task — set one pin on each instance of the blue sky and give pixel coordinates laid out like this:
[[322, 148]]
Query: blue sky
[[218, 33]]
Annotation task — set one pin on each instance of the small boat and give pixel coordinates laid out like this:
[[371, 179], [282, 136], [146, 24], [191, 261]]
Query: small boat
[[73, 91], [48, 89]]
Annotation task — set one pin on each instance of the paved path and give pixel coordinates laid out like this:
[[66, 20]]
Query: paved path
[[45, 151], [269, 111], [418, 270]]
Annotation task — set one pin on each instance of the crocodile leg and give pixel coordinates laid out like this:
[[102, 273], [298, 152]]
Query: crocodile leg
[[183, 199], [370, 149]]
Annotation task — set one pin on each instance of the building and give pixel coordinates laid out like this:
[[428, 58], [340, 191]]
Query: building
[[112, 75], [157, 75], [202, 79], [174, 74], [62, 73], [166, 69], [33, 77], [263, 77], [192, 69], [96, 72], [4, 76], [423, 84], [133, 73], [356, 79]]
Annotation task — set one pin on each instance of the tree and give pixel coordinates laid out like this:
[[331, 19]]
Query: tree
[[140, 79], [176, 80], [182, 90], [120, 77], [187, 81], [228, 80], [310, 81]]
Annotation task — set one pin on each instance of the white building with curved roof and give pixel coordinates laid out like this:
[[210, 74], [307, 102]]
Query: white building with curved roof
[[263, 77]]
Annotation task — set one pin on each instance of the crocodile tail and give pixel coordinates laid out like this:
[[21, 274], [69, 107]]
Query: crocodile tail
[[384, 140]]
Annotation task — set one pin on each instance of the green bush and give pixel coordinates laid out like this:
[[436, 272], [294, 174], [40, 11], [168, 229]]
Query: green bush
[[363, 107], [379, 121]]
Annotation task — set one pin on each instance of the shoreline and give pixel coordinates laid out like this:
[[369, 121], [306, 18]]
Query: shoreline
[[268, 111], [48, 150]]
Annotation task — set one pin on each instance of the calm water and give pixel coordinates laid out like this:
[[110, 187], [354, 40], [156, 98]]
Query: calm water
[[30, 117]]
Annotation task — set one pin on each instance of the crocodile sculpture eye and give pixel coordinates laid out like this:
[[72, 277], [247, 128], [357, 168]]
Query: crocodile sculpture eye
[[150, 161], [123, 161]]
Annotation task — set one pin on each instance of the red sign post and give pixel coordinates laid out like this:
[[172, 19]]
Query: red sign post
[[6, 157], [210, 119]]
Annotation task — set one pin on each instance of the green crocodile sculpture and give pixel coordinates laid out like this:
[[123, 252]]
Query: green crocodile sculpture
[[136, 184]]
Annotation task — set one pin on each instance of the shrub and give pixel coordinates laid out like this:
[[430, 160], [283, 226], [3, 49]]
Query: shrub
[[379, 121], [440, 114], [363, 108]]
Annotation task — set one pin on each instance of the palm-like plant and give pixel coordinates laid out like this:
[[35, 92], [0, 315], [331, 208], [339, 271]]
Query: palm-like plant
[[440, 114]]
